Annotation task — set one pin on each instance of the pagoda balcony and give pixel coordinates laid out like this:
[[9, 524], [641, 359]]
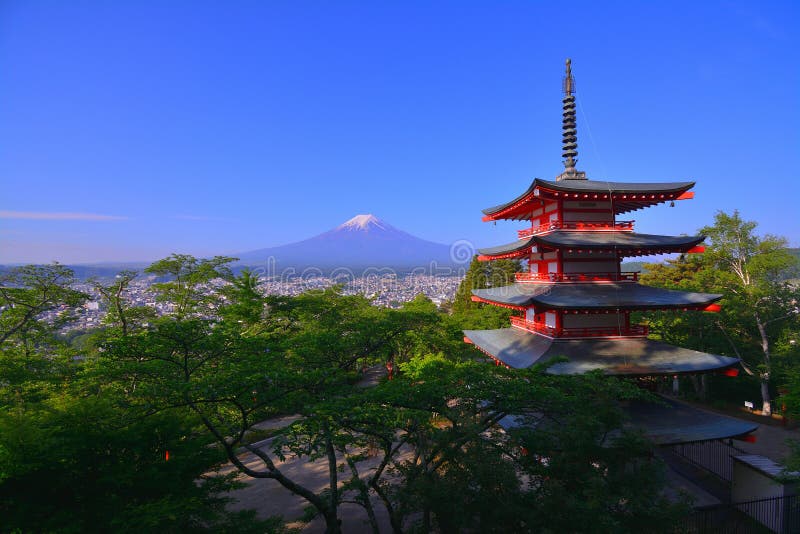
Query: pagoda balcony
[[638, 330], [577, 277], [619, 226]]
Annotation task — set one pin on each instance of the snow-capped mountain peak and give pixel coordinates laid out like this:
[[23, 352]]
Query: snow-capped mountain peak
[[363, 222], [362, 242]]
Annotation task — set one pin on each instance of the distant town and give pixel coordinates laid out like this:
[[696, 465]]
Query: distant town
[[387, 290]]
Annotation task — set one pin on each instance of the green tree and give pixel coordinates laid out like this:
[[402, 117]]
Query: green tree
[[231, 361], [188, 283], [482, 275], [791, 400], [752, 271], [572, 467], [699, 331], [28, 292], [759, 305], [73, 456], [119, 312], [75, 463], [243, 301], [231, 358]]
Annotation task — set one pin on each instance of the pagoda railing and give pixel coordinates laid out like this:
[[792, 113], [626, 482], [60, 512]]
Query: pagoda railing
[[577, 225], [637, 330], [577, 277]]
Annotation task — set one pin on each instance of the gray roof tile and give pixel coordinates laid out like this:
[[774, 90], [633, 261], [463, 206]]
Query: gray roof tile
[[597, 240], [582, 186], [610, 295], [625, 356]]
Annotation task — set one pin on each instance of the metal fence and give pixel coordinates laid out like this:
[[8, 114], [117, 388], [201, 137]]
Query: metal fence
[[715, 456], [776, 514]]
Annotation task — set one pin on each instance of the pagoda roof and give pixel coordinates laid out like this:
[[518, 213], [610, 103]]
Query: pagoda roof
[[620, 241], [602, 186], [667, 422], [611, 295], [620, 356], [671, 189], [671, 422]]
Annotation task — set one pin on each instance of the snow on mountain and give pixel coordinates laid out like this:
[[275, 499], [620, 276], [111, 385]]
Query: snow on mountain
[[361, 242], [363, 222]]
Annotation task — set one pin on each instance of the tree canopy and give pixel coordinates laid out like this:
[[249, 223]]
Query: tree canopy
[[759, 306], [126, 432]]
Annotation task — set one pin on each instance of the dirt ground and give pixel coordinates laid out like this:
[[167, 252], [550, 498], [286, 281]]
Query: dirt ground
[[268, 497]]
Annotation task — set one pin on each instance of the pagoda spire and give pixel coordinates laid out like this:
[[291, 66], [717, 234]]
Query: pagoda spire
[[570, 132]]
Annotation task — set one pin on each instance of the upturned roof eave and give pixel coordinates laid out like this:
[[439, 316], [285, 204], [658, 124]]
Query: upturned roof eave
[[666, 422], [631, 307], [584, 186], [604, 186], [500, 207], [519, 245], [656, 242], [622, 356], [617, 240], [547, 296]]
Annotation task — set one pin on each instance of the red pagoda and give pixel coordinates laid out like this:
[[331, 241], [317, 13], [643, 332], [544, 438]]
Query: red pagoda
[[576, 302]]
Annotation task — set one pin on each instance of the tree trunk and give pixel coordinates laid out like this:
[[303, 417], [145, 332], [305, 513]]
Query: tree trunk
[[363, 491], [422, 447], [699, 384], [394, 515], [332, 525], [766, 404], [704, 385]]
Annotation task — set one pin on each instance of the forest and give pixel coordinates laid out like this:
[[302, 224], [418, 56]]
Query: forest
[[124, 428]]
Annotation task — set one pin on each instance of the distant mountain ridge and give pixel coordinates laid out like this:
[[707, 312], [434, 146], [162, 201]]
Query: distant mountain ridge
[[359, 243]]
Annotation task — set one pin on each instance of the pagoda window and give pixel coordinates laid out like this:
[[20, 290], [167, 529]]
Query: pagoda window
[[594, 320], [583, 254], [591, 216], [530, 315], [550, 319], [583, 204], [601, 266]]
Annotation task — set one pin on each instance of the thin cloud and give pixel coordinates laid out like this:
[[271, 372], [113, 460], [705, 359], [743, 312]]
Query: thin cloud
[[58, 216], [198, 218]]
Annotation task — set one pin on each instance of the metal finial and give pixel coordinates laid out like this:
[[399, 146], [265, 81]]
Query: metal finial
[[569, 81], [570, 132]]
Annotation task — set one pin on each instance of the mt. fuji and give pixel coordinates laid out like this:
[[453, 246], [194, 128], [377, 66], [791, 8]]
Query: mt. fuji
[[364, 223], [361, 242]]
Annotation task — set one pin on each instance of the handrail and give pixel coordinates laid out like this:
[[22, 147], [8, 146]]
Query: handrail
[[637, 330], [577, 277], [576, 225]]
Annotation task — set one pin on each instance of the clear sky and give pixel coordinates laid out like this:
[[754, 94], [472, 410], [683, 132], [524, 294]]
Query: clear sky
[[130, 130]]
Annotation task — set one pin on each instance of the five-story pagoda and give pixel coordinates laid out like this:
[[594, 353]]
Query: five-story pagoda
[[575, 301]]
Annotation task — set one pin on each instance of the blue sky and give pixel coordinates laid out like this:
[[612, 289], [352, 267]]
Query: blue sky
[[130, 130]]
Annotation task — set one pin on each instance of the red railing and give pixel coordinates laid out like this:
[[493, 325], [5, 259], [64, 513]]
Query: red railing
[[558, 225], [637, 330], [577, 277]]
